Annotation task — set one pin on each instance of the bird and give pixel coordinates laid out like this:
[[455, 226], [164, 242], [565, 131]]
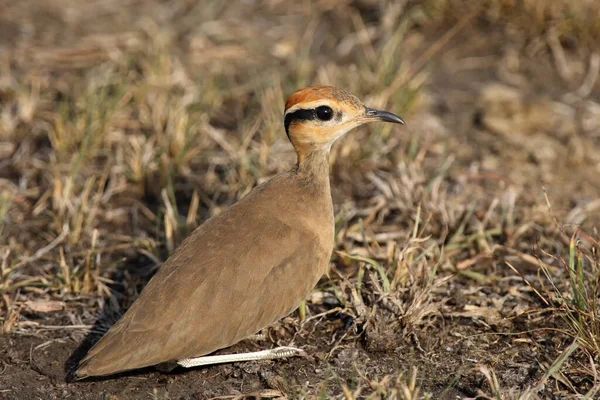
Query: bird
[[248, 266]]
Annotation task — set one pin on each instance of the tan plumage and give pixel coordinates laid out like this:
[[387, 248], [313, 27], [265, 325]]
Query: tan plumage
[[248, 266]]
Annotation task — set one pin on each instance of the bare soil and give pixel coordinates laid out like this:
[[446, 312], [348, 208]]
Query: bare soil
[[501, 150]]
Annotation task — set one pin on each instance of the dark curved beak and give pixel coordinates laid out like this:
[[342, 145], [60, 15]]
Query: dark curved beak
[[378, 115]]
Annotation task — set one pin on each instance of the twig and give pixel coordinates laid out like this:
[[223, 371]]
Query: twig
[[590, 79], [527, 282], [46, 249], [558, 53]]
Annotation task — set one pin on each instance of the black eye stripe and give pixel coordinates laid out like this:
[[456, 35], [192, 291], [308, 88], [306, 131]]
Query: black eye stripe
[[321, 113], [309, 114], [298, 115]]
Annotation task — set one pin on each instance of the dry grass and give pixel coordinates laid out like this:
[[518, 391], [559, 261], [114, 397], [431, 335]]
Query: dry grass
[[122, 127]]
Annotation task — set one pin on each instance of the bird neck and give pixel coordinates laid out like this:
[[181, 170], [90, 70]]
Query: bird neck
[[313, 164]]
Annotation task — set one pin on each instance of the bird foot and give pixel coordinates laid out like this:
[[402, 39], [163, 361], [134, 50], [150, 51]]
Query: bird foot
[[272, 354]]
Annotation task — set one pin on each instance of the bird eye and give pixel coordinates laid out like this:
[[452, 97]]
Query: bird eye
[[324, 113]]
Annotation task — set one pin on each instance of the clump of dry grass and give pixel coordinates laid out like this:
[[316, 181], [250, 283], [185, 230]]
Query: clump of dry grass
[[583, 312], [579, 308], [398, 387]]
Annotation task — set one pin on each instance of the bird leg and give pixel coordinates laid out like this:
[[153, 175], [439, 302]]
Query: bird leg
[[272, 354]]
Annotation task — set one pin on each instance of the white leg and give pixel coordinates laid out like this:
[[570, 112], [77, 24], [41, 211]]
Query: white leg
[[279, 352]]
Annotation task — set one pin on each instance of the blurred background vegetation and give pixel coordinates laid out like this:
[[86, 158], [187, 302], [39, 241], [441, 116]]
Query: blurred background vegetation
[[466, 259]]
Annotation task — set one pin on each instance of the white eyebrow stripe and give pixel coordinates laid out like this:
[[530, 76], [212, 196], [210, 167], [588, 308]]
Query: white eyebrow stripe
[[307, 105]]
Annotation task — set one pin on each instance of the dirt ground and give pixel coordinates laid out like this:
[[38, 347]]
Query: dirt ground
[[124, 125]]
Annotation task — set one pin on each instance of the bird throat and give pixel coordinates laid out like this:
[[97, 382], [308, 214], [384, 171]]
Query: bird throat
[[314, 164]]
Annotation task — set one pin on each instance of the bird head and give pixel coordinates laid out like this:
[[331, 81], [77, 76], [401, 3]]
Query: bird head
[[317, 116]]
